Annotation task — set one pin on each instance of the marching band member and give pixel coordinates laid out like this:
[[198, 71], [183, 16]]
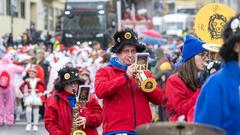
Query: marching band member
[[125, 105], [59, 106], [218, 102], [183, 87]]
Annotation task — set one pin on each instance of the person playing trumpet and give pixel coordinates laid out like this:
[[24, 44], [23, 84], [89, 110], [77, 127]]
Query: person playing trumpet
[[125, 105]]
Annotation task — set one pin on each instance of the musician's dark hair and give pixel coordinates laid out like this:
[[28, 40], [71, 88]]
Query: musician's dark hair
[[188, 72], [230, 38]]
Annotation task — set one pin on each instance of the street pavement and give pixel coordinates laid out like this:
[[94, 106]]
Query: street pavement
[[19, 129]]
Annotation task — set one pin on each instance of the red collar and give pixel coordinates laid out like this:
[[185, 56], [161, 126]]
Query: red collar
[[67, 93]]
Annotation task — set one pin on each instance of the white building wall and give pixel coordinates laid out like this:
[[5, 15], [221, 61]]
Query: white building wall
[[21, 24], [39, 14]]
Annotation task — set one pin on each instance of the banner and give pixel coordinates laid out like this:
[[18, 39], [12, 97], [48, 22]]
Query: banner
[[210, 21]]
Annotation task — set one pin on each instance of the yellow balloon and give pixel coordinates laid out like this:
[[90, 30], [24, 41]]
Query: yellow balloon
[[210, 21]]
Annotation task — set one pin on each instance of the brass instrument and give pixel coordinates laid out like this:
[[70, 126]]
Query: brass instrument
[[145, 83], [75, 129]]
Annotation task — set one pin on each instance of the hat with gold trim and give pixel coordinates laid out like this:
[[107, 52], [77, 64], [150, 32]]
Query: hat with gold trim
[[126, 37], [66, 76]]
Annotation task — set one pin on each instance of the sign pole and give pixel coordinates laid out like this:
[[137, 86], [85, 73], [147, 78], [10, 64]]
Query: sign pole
[[119, 15]]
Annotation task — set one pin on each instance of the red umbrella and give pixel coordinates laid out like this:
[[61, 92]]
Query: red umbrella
[[152, 33]]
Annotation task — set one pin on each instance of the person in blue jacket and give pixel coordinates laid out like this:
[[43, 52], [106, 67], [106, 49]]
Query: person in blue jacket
[[219, 101]]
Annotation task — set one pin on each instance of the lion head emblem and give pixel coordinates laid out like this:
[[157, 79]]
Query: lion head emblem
[[215, 25]]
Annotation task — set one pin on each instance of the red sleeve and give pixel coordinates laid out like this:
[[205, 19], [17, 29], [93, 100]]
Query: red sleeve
[[177, 97], [94, 113], [40, 73], [106, 86], [156, 96], [22, 86], [40, 87], [50, 118]]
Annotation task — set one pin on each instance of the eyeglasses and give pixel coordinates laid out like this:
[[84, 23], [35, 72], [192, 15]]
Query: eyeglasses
[[127, 51], [203, 54]]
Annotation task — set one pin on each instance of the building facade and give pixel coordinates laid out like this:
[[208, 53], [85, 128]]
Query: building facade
[[18, 15]]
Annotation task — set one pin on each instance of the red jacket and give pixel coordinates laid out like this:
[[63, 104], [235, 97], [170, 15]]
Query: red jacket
[[58, 115], [40, 87], [125, 106], [40, 73], [180, 98]]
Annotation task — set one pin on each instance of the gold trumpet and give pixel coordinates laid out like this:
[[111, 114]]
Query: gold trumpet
[[75, 129], [145, 83]]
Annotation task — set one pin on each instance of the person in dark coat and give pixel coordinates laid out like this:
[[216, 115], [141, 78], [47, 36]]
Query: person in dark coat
[[40, 55]]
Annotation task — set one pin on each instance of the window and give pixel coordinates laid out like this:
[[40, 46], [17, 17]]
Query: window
[[57, 18], [22, 8], [12, 8], [1, 7], [50, 18], [85, 22], [45, 17], [174, 26], [8, 5]]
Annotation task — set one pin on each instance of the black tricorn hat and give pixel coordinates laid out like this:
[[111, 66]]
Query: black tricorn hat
[[67, 75], [126, 37]]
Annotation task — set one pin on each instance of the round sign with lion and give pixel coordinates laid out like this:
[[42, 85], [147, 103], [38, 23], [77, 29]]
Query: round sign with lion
[[210, 21]]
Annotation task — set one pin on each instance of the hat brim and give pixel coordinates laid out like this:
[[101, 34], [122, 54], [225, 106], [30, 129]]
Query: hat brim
[[212, 47], [59, 85], [81, 81], [117, 48]]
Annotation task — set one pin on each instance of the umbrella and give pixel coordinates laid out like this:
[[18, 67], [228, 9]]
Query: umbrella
[[152, 33], [153, 41]]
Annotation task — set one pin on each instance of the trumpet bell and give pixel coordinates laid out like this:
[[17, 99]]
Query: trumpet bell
[[148, 85]]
